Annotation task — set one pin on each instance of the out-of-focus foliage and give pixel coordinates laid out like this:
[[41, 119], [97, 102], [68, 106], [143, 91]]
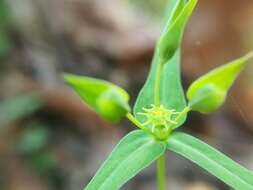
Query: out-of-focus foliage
[[4, 43], [33, 139], [32, 144], [5, 21], [155, 9], [18, 107]]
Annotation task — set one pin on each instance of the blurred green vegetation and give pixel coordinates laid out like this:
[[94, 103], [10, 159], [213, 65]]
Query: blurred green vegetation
[[18, 107], [5, 25], [33, 139], [5, 43], [153, 9], [34, 146]]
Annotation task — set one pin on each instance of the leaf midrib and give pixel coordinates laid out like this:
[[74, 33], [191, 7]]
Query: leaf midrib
[[102, 184], [220, 166]]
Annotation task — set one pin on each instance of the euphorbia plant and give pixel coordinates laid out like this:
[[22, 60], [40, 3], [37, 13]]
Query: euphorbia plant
[[160, 109]]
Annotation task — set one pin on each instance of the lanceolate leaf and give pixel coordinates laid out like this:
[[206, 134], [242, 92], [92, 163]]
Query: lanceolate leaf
[[107, 99], [208, 92], [134, 152], [211, 160], [171, 93]]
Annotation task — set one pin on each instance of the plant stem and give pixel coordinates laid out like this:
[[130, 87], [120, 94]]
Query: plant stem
[[161, 174], [182, 114], [157, 88], [138, 124], [160, 169]]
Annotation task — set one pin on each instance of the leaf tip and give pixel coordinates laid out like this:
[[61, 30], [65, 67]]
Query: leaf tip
[[66, 77], [249, 55]]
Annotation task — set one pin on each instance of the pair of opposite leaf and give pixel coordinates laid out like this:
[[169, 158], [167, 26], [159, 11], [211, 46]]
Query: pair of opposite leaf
[[137, 150]]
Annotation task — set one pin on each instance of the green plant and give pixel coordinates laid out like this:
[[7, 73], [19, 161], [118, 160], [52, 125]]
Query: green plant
[[160, 109]]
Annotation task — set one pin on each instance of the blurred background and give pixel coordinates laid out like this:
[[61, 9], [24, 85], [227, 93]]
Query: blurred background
[[50, 140]]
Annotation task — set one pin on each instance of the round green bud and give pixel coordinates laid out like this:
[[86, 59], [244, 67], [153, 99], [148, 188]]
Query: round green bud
[[207, 99], [161, 132], [111, 106]]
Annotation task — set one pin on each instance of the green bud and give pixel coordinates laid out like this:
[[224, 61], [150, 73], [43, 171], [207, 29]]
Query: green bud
[[172, 36], [207, 99], [207, 93], [161, 132], [107, 99], [111, 107]]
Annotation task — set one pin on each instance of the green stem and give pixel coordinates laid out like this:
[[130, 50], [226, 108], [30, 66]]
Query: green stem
[[157, 88], [138, 124], [182, 114], [161, 161], [161, 174]]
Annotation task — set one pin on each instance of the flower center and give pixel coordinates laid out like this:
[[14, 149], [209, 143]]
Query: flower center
[[160, 119]]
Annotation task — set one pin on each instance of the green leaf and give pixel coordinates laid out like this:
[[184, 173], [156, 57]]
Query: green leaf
[[134, 152], [211, 160], [174, 7], [209, 92], [176, 12], [171, 92], [107, 99], [171, 96]]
